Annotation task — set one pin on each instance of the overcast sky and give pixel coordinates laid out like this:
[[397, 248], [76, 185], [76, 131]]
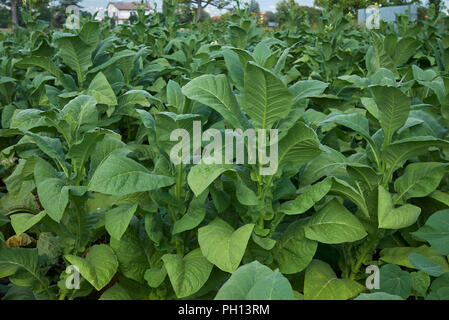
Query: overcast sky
[[265, 5]]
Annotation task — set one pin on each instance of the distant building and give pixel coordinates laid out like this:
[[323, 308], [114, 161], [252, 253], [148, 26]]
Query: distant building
[[121, 11], [387, 14]]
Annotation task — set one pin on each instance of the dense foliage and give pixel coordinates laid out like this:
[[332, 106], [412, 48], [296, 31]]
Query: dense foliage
[[362, 116]]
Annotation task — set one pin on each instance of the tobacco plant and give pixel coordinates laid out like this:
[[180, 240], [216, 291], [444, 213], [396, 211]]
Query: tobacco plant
[[360, 183]]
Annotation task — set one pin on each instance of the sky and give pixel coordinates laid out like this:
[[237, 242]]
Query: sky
[[265, 5]]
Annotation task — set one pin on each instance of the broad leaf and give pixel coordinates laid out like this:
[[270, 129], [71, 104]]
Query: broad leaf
[[215, 92], [395, 281], [423, 263], [118, 219], [321, 283], [187, 274], [334, 224], [222, 245], [98, 267], [254, 281], [21, 222], [293, 251], [436, 231], [307, 199], [395, 218], [394, 107], [118, 175]]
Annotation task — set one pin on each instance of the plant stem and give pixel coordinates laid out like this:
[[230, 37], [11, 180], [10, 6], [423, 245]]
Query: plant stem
[[368, 246]]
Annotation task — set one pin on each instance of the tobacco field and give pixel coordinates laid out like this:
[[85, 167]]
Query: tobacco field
[[361, 188]]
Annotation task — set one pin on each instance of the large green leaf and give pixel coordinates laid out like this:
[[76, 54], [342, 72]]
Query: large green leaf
[[405, 49], [266, 98], [50, 146], [436, 231], [307, 199], [254, 281], [215, 92], [328, 163], [394, 107], [21, 222], [98, 267], [222, 245], [395, 218], [167, 122], [202, 175], [118, 175], [155, 276], [419, 180], [299, 146], [22, 267], [75, 53], [307, 88], [27, 119], [51, 189], [41, 62], [118, 219], [423, 263], [400, 255], [13, 259], [321, 283], [293, 251], [134, 251], [80, 113], [334, 224], [80, 151], [354, 121], [234, 67], [175, 96], [90, 33], [400, 151], [187, 274], [194, 215], [395, 281], [101, 90], [123, 54]]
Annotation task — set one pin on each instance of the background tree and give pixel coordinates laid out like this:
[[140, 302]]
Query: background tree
[[254, 7], [200, 5], [288, 8], [284, 8], [437, 4], [354, 5], [5, 16], [12, 7], [10, 11]]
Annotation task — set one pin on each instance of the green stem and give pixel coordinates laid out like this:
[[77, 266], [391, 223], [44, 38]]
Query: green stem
[[63, 167], [178, 187], [368, 246]]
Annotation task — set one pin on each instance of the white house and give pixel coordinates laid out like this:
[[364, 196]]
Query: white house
[[121, 11]]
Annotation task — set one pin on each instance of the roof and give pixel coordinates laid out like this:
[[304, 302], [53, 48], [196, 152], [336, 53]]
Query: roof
[[127, 5]]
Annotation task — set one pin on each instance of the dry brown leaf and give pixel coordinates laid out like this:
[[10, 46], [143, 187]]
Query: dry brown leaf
[[19, 241]]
